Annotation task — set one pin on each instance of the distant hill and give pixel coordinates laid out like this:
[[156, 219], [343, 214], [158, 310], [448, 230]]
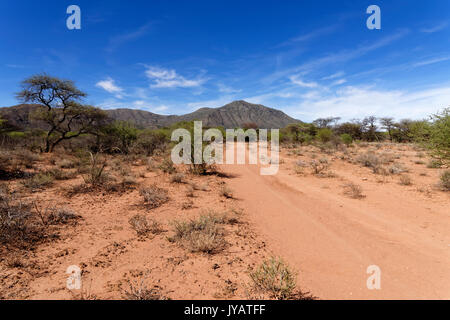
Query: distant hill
[[232, 115]]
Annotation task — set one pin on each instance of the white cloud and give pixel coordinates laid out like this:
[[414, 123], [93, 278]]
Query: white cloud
[[144, 105], [334, 76], [301, 83], [339, 82], [109, 85], [226, 89], [357, 102], [166, 78]]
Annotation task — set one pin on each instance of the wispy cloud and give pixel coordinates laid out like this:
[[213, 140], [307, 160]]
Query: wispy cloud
[[309, 36], [438, 27], [227, 89], [110, 86], [339, 57], [145, 105], [117, 41], [213, 103], [169, 78], [15, 66], [334, 76], [431, 61], [339, 82], [295, 80]]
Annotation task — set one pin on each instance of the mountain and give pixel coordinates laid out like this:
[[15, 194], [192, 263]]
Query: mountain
[[232, 115]]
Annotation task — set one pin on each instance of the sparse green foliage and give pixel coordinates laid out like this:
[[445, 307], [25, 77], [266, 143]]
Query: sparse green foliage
[[445, 180], [202, 235], [38, 181], [439, 137], [95, 174], [324, 135], [346, 139], [274, 277], [61, 111]]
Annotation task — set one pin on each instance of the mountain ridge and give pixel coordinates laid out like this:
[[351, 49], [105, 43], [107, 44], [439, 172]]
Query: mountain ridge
[[231, 115]]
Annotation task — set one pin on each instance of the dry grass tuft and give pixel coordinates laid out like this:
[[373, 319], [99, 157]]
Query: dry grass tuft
[[143, 226], [202, 235], [138, 290], [38, 181], [275, 279], [226, 192], [154, 196], [177, 178], [353, 191], [405, 180]]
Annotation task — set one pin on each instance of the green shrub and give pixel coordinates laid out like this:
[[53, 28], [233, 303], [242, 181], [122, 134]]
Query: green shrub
[[324, 135], [150, 141], [275, 278], [439, 137], [38, 181], [445, 180], [346, 139]]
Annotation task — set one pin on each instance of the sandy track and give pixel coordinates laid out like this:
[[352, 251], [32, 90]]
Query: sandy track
[[331, 239]]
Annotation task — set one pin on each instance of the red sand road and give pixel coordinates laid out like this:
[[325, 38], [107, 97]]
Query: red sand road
[[331, 239]]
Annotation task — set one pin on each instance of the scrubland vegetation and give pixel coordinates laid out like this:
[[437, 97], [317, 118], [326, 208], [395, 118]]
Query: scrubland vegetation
[[76, 156]]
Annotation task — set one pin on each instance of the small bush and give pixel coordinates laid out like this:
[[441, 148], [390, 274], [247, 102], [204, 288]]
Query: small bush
[[405, 180], [190, 191], [19, 226], [202, 235], [38, 181], [139, 291], [353, 190], [177, 178], [142, 226], [275, 278], [346, 139], [167, 166], [397, 168], [369, 160], [187, 205], [51, 215], [324, 135], [95, 172], [226, 192], [445, 180], [62, 216], [59, 174], [434, 164], [318, 166], [67, 164], [154, 196]]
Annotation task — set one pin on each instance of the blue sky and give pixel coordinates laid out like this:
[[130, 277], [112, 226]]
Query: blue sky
[[308, 58]]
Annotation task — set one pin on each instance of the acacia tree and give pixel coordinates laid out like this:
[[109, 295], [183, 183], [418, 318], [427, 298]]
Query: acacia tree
[[60, 108], [389, 125], [370, 128], [439, 136], [322, 123]]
